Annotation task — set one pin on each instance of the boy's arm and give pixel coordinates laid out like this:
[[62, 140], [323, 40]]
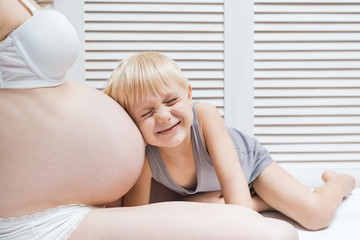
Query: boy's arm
[[139, 194], [224, 157]]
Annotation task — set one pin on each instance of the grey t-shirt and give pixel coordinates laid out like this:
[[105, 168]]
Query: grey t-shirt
[[252, 156]]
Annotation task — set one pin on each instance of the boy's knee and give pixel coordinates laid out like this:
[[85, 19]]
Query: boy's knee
[[317, 215]]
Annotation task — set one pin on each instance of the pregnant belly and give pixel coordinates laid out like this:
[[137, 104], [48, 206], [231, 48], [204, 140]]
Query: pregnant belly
[[81, 174]]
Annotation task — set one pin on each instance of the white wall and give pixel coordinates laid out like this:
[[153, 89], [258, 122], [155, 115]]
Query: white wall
[[74, 11]]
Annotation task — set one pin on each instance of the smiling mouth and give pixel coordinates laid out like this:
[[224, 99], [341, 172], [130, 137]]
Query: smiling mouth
[[169, 130]]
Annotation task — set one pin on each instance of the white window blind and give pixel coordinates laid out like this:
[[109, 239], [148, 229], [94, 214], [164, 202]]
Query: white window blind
[[190, 32], [306, 67], [307, 82]]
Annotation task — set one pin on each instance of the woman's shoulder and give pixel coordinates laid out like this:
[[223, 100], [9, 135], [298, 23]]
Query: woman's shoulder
[[12, 15]]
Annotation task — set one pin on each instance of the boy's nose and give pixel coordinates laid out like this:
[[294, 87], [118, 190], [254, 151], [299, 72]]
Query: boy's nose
[[163, 115]]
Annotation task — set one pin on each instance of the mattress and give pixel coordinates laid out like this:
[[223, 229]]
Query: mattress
[[345, 225]]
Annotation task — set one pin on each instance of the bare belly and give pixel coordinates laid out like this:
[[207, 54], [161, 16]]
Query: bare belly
[[64, 146]]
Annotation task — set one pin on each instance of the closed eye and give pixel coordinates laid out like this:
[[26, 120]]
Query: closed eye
[[171, 102], [147, 114]]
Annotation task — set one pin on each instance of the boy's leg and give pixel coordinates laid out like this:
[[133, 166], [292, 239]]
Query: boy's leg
[[312, 209], [181, 220]]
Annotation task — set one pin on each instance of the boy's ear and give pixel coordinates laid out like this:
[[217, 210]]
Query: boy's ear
[[189, 93]]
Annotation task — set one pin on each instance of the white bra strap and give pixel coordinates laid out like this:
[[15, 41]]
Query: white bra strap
[[30, 6]]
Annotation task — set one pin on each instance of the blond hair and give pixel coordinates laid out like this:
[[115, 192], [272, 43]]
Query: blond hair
[[44, 2], [136, 76]]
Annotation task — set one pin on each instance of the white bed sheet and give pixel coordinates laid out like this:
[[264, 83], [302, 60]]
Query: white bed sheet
[[345, 225]]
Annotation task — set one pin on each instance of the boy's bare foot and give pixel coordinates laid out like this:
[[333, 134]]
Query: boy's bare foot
[[346, 181]]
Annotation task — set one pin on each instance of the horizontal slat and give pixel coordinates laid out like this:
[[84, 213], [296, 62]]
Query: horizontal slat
[[306, 55], [150, 7], [317, 2], [197, 46], [315, 36], [313, 130], [153, 36], [97, 84], [307, 120], [304, 73], [290, 17], [195, 84], [308, 82], [162, 1], [156, 27], [307, 46], [285, 26], [154, 17], [218, 102], [308, 65], [266, 140], [307, 111], [178, 54], [308, 8], [317, 157], [202, 65], [204, 74], [314, 147], [216, 93], [352, 92], [305, 102]]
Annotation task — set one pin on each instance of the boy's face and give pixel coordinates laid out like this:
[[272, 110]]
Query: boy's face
[[164, 120]]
